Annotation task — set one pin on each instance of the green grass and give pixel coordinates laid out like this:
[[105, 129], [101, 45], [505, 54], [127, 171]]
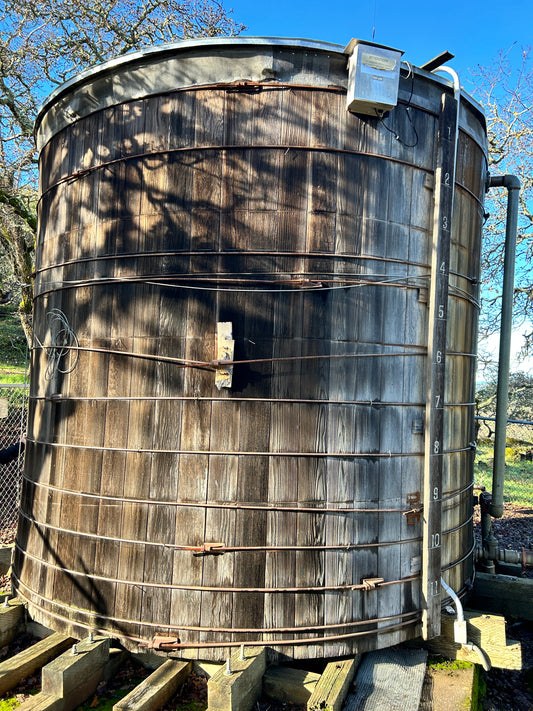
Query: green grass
[[9, 704], [12, 339], [12, 375], [13, 351], [518, 484]]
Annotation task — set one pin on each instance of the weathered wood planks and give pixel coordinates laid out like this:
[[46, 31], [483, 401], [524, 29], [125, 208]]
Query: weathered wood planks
[[306, 228]]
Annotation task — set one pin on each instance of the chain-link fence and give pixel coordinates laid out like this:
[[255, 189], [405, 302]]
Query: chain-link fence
[[13, 413], [515, 529]]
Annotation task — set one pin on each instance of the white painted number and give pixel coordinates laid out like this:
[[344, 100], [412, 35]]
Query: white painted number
[[439, 357], [436, 447], [435, 540], [434, 588], [446, 178], [437, 400], [441, 310], [436, 493], [443, 268], [444, 222]]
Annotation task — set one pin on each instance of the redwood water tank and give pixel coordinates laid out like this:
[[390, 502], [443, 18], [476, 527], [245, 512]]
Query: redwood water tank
[[225, 182]]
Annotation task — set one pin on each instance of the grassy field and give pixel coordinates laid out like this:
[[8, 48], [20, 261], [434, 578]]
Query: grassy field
[[518, 486], [13, 351]]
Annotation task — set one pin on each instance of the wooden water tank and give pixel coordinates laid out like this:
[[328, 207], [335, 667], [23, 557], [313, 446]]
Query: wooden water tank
[[224, 181]]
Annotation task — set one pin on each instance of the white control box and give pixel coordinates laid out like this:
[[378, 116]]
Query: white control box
[[373, 77]]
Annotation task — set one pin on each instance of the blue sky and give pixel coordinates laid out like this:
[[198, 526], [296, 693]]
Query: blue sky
[[474, 31]]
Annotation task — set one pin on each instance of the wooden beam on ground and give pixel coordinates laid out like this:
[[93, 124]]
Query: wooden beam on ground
[[51, 702], [504, 595], [332, 687], [486, 632], [156, 689], [239, 690], [73, 677], [10, 619], [41, 702], [6, 553], [25, 663], [289, 685]]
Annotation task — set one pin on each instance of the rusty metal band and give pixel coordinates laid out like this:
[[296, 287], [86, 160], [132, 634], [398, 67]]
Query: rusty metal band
[[341, 547], [170, 282], [286, 148], [300, 286], [216, 645], [282, 508], [242, 253], [378, 404], [458, 492], [209, 588], [213, 365], [461, 525], [238, 453], [460, 560], [222, 630], [231, 253]]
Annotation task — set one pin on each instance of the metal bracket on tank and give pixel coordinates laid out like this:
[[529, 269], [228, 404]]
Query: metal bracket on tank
[[371, 583], [413, 516], [210, 549], [162, 643]]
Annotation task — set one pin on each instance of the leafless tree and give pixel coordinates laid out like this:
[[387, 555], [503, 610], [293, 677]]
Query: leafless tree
[[42, 44], [505, 90]]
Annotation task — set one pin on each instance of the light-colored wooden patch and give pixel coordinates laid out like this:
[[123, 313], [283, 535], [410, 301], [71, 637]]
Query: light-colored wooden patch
[[225, 350], [156, 689], [74, 677]]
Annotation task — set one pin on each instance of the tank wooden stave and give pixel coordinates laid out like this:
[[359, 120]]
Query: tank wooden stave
[[165, 214]]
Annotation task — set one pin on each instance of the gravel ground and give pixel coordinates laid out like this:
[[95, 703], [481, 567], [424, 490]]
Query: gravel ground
[[513, 690]]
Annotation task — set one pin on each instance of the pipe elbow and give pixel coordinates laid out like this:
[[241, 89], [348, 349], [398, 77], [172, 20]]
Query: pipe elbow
[[511, 182], [495, 510], [485, 661]]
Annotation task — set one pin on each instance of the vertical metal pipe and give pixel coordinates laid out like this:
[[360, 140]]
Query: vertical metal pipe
[[512, 184]]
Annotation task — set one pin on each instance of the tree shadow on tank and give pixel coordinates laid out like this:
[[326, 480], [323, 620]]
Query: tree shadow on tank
[[149, 246]]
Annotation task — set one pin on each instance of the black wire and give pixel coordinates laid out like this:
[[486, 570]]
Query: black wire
[[408, 112]]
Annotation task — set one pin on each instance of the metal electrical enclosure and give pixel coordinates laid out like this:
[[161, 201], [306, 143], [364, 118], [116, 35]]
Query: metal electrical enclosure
[[373, 77]]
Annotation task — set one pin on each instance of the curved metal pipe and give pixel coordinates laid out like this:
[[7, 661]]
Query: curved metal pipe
[[512, 184], [456, 601], [460, 628]]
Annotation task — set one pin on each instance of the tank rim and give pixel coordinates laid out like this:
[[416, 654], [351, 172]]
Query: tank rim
[[160, 51], [172, 47]]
